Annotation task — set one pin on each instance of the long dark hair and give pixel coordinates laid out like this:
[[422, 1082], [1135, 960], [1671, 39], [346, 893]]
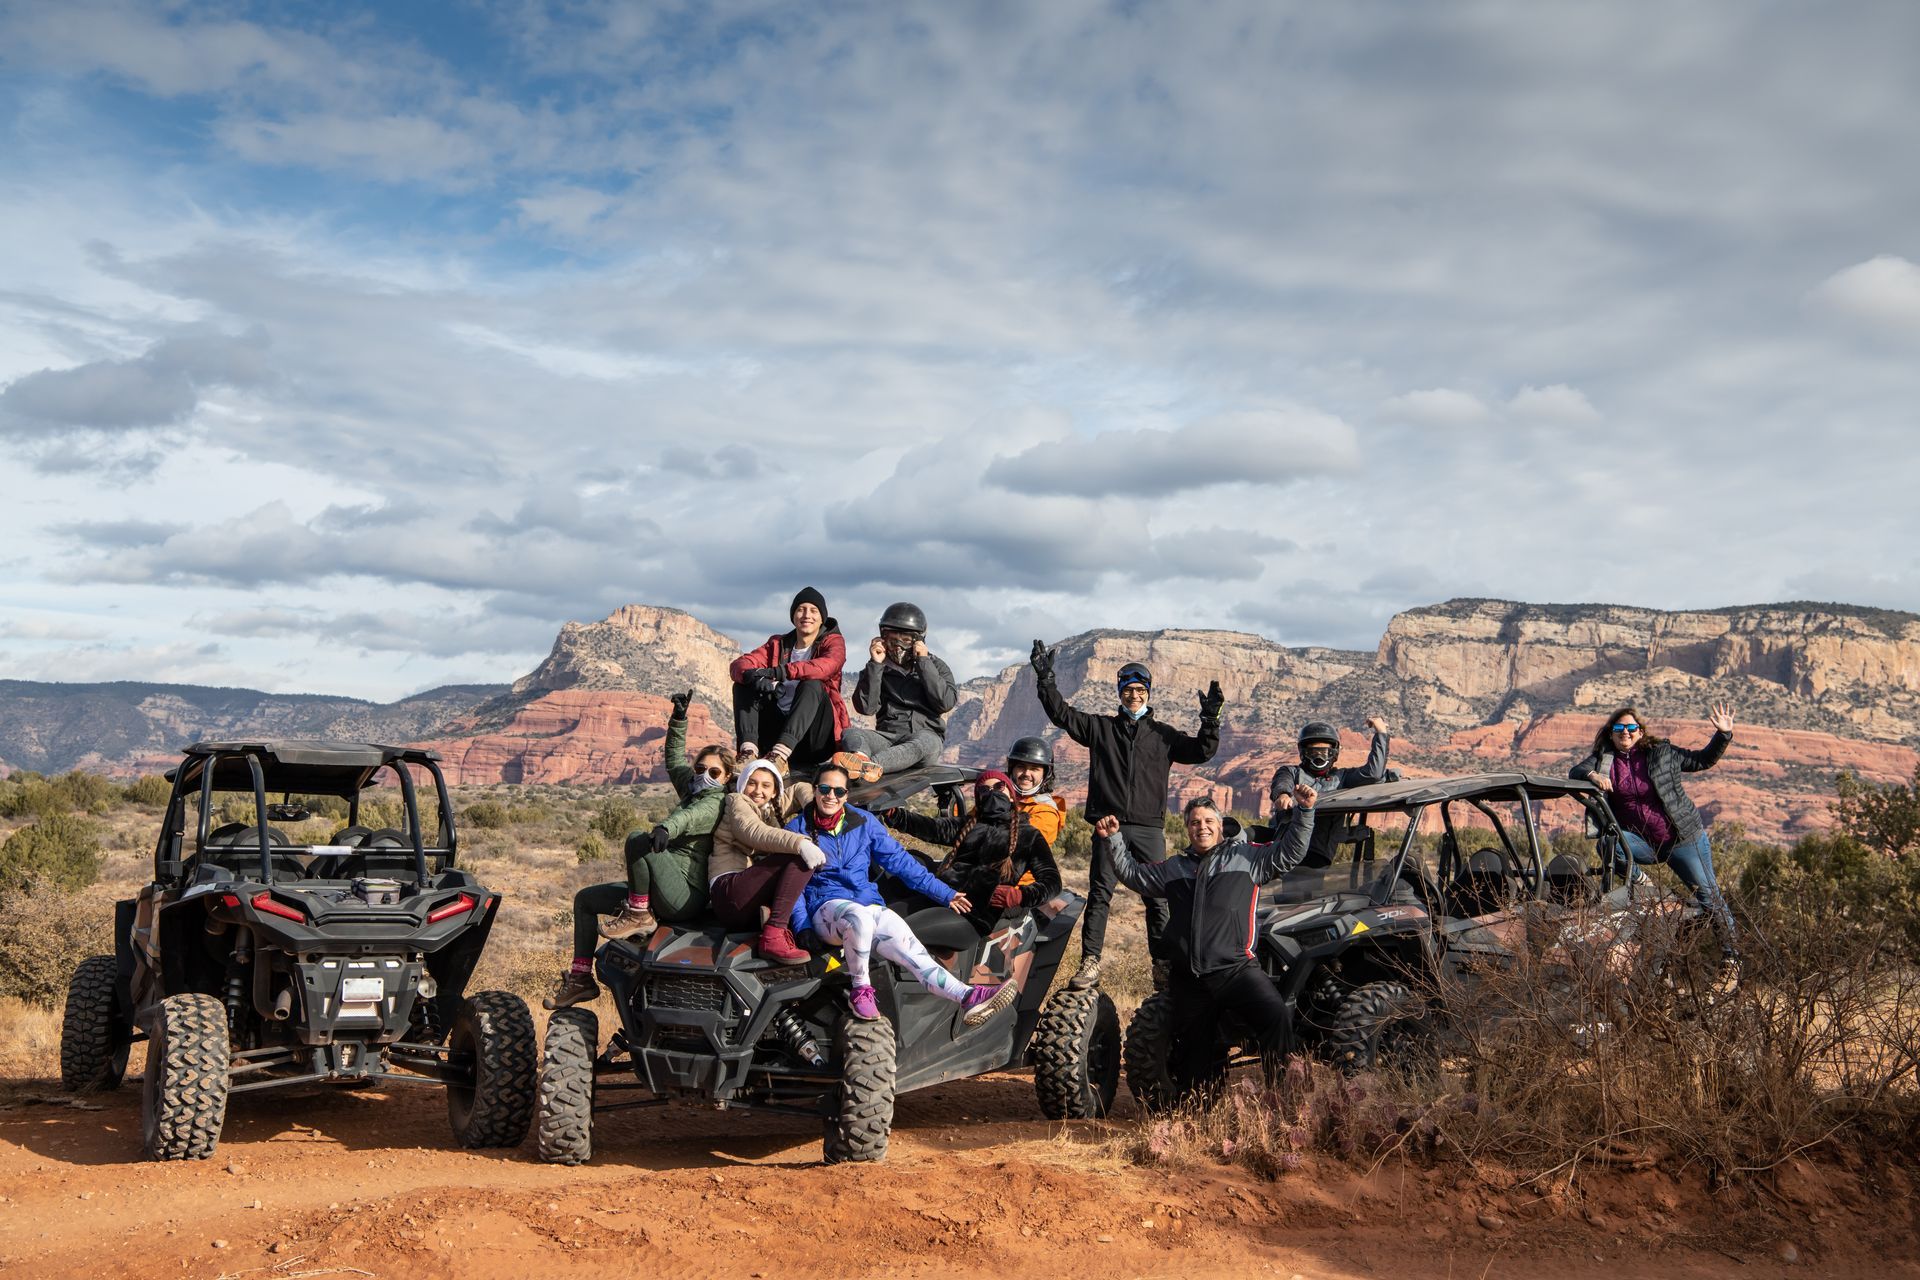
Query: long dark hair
[[1005, 869], [1603, 741]]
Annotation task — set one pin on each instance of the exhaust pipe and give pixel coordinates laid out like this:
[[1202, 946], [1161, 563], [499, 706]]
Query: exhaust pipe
[[283, 1005]]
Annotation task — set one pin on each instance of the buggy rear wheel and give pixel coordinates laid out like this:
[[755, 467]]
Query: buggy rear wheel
[[183, 1095], [863, 1101], [94, 1036], [1381, 1024], [1076, 1055], [494, 1032], [563, 1133]]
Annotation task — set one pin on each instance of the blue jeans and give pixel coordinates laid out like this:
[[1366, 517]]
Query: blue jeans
[[1692, 861]]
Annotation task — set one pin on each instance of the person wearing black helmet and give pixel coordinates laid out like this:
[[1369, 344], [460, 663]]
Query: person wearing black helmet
[[1129, 757], [1030, 765], [908, 692], [1319, 768]]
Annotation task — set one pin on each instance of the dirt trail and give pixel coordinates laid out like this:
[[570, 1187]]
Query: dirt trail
[[359, 1183]]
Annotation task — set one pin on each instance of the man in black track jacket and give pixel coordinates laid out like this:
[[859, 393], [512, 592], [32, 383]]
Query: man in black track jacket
[[1210, 891], [1130, 755]]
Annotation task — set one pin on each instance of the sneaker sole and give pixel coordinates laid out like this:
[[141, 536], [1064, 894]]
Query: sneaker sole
[[1002, 999], [859, 770]]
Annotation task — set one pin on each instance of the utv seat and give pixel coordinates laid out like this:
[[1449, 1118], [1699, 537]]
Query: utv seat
[[1568, 883], [1481, 885], [235, 848]]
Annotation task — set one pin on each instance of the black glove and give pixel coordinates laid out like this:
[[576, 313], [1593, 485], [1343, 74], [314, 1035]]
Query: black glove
[[660, 838], [680, 701], [1211, 701], [766, 681], [1042, 661]]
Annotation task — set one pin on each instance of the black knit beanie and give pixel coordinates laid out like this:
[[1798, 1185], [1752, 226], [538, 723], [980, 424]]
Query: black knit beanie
[[807, 595]]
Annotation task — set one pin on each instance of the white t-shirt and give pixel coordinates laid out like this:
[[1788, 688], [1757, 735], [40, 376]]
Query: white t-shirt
[[784, 698]]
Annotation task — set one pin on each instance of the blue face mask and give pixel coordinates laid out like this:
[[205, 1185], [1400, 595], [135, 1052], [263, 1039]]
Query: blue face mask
[[1133, 715], [703, 782]]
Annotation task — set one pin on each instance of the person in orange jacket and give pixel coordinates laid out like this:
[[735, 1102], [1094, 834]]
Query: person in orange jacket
[[1030, 767]]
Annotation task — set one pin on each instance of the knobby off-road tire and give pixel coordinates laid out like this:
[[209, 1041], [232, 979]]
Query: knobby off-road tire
[[863, 1101], [94, 1036], [1149, 1048], [494, 1031], [183, 1096], [563, 1129], [1076, 1055], [1380, 1024]]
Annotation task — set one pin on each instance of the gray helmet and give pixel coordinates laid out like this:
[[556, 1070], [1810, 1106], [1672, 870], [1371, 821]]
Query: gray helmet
[[904, 617], [1033, 751]]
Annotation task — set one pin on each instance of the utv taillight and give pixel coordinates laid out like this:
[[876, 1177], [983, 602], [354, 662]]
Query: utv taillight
[[454, 908], [231, 901], [266, 902]]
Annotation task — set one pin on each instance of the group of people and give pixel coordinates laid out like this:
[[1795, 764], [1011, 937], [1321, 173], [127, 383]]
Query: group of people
[[789, 859]]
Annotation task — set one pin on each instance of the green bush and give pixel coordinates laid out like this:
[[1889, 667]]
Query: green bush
[[59, 851], [614, 819], [149, 791], [1886, 818], [31, 799], [85, 792], [43, 936], [486, 813], [1075, 843], [590, 849], [1858, 889]]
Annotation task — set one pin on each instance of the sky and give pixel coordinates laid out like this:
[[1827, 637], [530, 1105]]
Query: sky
[[355, 349]]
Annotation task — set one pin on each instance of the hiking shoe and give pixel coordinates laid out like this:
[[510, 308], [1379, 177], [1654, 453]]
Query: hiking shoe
[[573, 988], [983, 1002], [746, 756], [859, 766], [776, 946], [630, 921], [864, 1005], [1087, 976]]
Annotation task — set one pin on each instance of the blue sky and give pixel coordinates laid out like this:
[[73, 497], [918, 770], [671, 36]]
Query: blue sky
[[354, 350]]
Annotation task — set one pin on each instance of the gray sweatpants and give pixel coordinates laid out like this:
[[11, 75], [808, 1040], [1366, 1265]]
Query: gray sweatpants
[[920, 748]]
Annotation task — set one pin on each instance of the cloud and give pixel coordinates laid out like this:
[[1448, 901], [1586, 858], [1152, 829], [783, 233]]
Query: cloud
[[1437, 407], [1881, 293], [1258, 446], [1558, 405], [159, 388]]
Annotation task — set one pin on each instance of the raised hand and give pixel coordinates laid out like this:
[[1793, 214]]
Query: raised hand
[[1376, 724], [680, 701], [1042, 660], [1211, 701], [1721, 718], [877, 649], [1106, 826], [1305, 796]]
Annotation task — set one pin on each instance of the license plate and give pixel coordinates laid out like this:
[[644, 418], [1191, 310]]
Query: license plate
[[361, 990]]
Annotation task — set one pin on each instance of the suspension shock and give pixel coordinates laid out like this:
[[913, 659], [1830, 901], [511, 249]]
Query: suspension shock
[[799, 1042]]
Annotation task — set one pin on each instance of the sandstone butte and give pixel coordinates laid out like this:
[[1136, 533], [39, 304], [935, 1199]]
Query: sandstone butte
[[1468, 686]]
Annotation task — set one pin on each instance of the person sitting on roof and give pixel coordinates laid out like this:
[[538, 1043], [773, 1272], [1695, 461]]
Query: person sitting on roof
[[786, 693], [907, 691]]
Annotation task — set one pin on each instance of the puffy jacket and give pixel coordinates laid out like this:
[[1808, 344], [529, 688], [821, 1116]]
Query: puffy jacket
[[974, 869], [1129, 759], [828, 660], [1665, 764], [1046, 811], [745, 829], [690, 825], [1211, 897], [858, 841], [902, 702]]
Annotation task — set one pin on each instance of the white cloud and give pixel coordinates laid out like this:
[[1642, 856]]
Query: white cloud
[[1882, 292], [1259, 446], [1558, 405], [1437, 407]]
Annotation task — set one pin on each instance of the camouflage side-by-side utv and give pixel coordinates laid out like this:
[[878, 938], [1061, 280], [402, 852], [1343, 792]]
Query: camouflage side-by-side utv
[[253, 961], [703, 1020]]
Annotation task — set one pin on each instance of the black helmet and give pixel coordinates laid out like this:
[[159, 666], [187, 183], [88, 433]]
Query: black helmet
[[904, 617], [1033, 751], [1319, 747], [1134, 673]]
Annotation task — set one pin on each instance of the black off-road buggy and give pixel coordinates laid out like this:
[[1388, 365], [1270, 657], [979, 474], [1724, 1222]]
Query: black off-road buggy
[[703, 1020], [1360, 933], [255, 962]]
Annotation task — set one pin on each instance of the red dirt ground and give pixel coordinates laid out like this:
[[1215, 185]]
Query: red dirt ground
[[976, 1184]]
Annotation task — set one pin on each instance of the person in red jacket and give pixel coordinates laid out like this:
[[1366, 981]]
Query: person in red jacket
[[786, 693]]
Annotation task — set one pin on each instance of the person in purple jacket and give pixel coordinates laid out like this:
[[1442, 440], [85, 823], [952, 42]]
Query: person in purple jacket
[[842, 904], [1641, 774]]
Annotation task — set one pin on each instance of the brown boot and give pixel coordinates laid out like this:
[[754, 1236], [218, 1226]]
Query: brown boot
[[630, 921], [776, 946], [573, 988], [859, 767]]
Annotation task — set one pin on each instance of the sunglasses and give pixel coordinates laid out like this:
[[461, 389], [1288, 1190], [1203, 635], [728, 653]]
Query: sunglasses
[[825, 790], [1626, 728], [1001, 787], [715, 771]]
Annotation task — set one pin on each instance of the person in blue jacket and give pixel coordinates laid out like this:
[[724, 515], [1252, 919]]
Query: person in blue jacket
[[842, 905]]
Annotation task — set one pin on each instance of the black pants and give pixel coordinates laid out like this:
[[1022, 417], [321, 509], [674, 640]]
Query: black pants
[[1147, 843], [1201, 1004], [806, 731]]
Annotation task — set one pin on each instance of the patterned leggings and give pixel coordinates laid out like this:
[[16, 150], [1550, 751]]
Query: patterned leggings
[[861, 930]]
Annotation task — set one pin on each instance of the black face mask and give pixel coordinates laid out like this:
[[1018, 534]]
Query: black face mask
[[1317, 757], [994, 808]]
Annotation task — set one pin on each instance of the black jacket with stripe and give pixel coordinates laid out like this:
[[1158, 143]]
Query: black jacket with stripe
[[1212, 896]]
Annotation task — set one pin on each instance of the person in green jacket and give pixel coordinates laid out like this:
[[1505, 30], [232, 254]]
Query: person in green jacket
[[666, 867]]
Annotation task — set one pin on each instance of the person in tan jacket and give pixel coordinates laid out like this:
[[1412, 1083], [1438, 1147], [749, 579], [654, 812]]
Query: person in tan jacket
[[756, 863]]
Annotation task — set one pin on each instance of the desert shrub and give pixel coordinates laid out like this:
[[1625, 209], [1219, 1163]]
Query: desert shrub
[[30, 799], [1856, 889], [24, 776], [149, 791], [590, 849], [614, 819], [1884, 818], [60, 851], [43, 935], [86, 792], [1075, 844], [485, 813], [524, 815]]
